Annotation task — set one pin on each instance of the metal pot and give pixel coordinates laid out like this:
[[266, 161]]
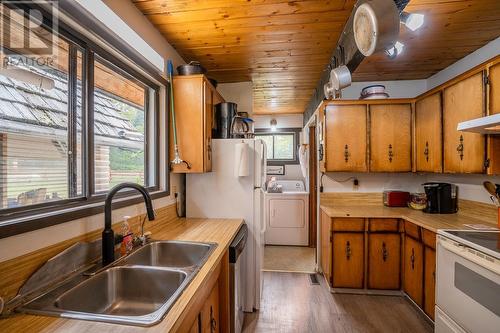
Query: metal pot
[[340, 77], [194, 67], [376, 26]]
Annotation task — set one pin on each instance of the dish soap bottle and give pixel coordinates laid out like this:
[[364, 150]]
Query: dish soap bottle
[[126, 246]]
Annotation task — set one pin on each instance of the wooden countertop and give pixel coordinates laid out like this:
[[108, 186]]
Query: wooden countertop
[[431, 222], [220, 231]]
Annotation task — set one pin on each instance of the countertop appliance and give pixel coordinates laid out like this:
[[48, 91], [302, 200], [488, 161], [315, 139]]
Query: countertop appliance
[[396, 198], [221, 194], [442, 198], [236, 279], [468, 281], [224, 114]]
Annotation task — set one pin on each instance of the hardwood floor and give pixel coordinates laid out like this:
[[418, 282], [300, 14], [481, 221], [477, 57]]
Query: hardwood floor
[[290, 303]]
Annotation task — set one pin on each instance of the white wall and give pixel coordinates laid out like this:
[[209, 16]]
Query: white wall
[[395, 89], [240, 93], [470, 186], [31, 241], [283, 121]]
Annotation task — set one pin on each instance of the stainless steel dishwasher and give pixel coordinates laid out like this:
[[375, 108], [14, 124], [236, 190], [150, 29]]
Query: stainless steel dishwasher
[[236, 278]]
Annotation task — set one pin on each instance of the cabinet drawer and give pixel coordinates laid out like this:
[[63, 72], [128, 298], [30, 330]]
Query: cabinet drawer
[[412, 230], [429, 238], [384, 225], [348, 224]]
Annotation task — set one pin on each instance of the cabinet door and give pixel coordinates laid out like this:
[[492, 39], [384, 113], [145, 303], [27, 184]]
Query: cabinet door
[[390, 137], [326, 246], [346, 138], [348, 260], [463, 151], [428, 134], [384, 255], [209, 114], [210, 312], [429, 281], [494, 78], [189, 106], [413, 270], [196, 326]]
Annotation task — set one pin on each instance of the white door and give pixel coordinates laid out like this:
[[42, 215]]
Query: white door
[[287, 221]]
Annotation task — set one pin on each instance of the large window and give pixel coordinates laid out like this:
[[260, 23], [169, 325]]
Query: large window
[[281, 146], [72, 128]]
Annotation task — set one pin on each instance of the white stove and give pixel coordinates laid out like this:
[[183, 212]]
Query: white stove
[[468, 281]]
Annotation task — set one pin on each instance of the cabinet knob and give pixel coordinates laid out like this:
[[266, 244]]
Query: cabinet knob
[[460, 147], [390, 154], [348, 250], [426, 151], [213, 322], [346, 153], [385, 253]]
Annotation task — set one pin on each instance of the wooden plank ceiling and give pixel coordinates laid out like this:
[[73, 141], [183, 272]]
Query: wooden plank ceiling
[[283, 46]]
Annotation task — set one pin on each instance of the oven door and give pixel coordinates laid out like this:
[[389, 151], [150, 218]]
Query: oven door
[[468, 286]]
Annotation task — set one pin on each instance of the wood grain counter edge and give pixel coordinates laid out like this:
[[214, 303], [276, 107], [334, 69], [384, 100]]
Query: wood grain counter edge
[[432, 222], [220, 231]]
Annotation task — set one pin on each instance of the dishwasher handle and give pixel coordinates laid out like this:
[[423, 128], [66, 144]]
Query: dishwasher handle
[[238, 244]]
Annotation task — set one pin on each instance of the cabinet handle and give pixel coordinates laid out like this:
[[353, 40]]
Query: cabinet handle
[[348, 250], [426, 151], [346, 153], [460, 147], [412, 259], [385, 253], [321, 154], [213, 322], [390, 154]]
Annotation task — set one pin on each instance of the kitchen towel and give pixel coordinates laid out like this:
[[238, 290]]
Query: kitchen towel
[[241, 158]]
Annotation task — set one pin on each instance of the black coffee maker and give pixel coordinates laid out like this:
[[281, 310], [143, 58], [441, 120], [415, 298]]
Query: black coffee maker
[[441, 198]]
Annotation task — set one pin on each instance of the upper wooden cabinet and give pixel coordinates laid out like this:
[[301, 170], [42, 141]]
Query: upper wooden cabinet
[[464, 152], [390, 137], [194, 98], [345, 138], [428, 134]]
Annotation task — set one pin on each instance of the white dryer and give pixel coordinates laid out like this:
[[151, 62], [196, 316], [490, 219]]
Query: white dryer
[[287, 215]]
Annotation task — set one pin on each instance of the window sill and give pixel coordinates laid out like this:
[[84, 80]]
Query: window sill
[[21, 224]]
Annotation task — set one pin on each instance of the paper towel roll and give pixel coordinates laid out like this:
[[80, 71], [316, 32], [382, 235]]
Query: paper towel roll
[[241, 158]]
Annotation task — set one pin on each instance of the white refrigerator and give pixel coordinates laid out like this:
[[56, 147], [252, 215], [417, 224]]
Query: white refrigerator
[[223, 194]]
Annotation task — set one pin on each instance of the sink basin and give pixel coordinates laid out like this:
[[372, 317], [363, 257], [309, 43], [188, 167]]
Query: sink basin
[[138, 289], [169, 254], [123, 291]]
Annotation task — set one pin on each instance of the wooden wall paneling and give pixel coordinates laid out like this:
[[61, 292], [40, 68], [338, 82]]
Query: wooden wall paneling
[[428, 134], [326, 246], [346, 133], [390, 138], [313, 188], [464, 152]]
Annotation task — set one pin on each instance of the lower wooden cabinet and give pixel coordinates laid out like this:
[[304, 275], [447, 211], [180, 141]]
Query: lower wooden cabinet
[[429, 281], [384, 261], [348, 260], [326, 246], [210, 313], [413, 269]]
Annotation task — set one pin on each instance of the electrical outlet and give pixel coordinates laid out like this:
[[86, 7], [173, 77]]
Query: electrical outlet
[[355, 184]]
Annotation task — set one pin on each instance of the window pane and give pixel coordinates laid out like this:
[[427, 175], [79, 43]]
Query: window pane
[[119, 128], [283, 147], [34, 151], [268, 139]]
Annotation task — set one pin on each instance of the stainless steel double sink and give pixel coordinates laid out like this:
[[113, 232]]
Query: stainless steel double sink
[[137, 289]]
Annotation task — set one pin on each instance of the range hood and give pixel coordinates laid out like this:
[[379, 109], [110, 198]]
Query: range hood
[[483, 125]]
